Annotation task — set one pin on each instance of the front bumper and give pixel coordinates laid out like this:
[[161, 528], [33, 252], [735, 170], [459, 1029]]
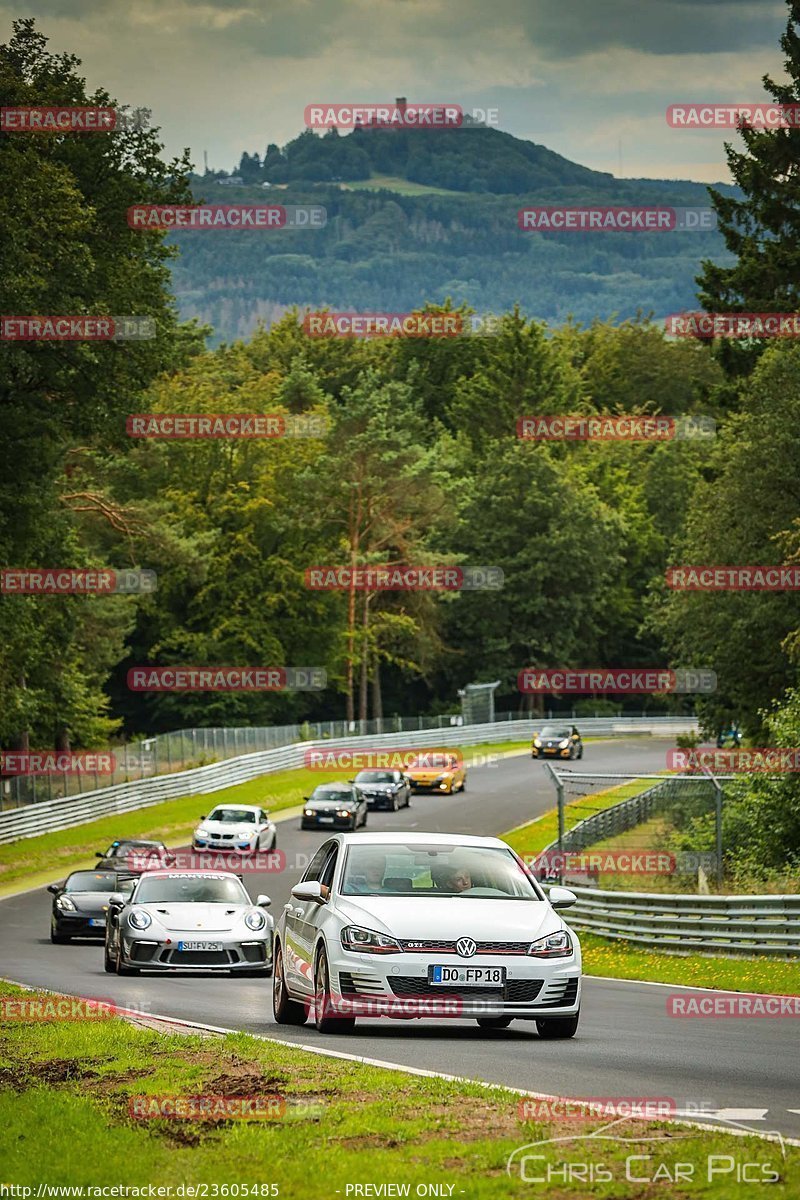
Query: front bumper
[[151, 954], [381, 801], [318, 822], [398, 986], [78, 926], [430, 785], [549, 752]]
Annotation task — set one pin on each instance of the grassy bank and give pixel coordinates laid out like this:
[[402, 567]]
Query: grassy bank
[[66, 1090], [40, 860]]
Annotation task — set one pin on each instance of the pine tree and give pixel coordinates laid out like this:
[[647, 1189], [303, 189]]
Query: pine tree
[[763, 228]]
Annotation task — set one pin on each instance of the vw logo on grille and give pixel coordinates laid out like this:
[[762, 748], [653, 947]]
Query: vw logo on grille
[[466, 947]]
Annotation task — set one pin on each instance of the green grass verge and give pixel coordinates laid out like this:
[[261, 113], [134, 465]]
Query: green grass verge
[[536, 835], [394, 183], [65, 1119], [37, 861]]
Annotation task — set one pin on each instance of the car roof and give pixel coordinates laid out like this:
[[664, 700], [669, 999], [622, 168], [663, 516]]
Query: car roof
[[344, 784], [421, 839]]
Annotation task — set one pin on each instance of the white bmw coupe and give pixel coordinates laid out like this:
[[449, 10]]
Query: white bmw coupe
[[425, 925]]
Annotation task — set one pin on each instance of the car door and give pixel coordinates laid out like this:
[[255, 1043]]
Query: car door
[[299, 928]]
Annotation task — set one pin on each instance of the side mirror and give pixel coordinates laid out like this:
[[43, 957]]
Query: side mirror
[[116, 900], [309, 891], [202, 816], [561, 897], [54, 889], [263, 901], [99, 854]]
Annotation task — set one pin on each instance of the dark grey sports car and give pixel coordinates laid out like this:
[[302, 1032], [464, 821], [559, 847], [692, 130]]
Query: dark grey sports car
[[80, 903]]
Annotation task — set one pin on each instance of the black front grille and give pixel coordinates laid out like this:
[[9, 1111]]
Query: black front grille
[[255, 952], [346, 985], [198, 958], [431, 946], [515, 991], [143, 951]]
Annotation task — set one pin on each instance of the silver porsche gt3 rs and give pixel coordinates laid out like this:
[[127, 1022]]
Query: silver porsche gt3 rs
[[188, 920]]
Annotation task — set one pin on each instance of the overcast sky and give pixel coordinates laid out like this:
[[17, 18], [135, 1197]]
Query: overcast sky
[[588, 78]]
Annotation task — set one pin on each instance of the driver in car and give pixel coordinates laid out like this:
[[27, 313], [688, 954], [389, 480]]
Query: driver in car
[[452, 878], [374, 869]]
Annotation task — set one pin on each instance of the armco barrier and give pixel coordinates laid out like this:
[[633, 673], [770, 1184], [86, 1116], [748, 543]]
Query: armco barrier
[[44, 817], [716, 924]]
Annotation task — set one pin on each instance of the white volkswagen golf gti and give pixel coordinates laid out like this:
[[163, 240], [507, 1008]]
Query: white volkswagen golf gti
[[425, 925]]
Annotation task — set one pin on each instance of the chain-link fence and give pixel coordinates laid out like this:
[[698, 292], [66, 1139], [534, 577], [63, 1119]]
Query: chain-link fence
[[637, 832]]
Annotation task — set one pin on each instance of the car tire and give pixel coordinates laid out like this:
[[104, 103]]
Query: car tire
[[285, 1010], [558, 1027], [109, 966], [274, 845], [322, 988], [119, 966], [59, 939], [464, 784], [494, 1022], [354, 825], [394, 804], [580, 752]]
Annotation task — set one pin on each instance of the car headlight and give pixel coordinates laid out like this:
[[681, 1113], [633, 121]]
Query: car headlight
[[308, 812], [201, 833], [245, 835], [65, 904], [537, 741], [368, 941], [139, 919], [554, 945], [563, 745], [343, 812], [255, 920]]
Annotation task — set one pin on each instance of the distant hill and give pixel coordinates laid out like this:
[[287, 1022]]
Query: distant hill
[[417, 216]]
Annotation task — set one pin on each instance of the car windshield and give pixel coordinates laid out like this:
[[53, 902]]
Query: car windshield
[[233, 816], [91, 881], [116, 849], [555, 731], [375, 777], [189, 889], [474, 872], [326, 794]]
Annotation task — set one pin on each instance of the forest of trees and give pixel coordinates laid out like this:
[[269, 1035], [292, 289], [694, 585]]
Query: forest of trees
[[420, 463]]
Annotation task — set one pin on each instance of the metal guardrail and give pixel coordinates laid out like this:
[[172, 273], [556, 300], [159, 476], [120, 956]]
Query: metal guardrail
[[35, 819], [720, 924]]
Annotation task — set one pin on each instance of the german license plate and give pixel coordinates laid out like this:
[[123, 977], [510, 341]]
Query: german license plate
[[199, 945], [98, 922], [467, 976], [327, 819]]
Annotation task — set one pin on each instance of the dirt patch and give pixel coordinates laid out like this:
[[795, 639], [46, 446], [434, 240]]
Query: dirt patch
[[52, 1071]]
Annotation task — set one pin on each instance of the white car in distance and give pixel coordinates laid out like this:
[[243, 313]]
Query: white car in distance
[[240, 828], [425, 925]]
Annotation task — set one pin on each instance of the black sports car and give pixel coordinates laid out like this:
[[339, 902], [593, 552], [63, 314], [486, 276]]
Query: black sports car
[[334, 806], [557, 741], [80, 903], [384, 789]]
